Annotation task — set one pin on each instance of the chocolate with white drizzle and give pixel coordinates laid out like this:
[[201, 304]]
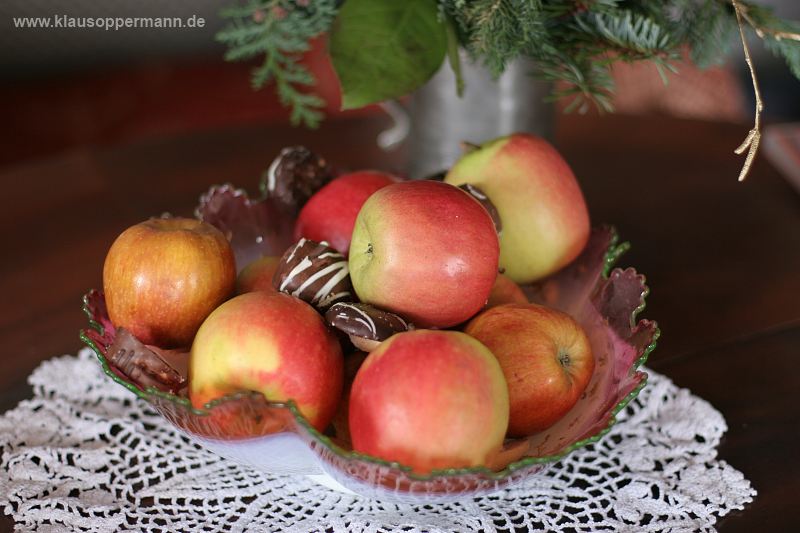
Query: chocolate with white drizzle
[[366, 325], [315, 273], [487, 204], [295, 175]]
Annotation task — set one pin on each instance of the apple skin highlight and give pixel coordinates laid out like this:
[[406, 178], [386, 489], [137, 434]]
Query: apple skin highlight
[[270, 343], [546, 359], [426, 251], [540, 203], [162, 277], [330, 215], [429, 400]]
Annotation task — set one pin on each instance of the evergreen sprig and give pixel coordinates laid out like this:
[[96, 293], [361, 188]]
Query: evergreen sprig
[[576, 42], [781, 37], [709, 33], [280, 30], [571, 41]]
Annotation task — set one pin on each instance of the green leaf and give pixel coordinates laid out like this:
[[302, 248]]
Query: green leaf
[[383, 50]]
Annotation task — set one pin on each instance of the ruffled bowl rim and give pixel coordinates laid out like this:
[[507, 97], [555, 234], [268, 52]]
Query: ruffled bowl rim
[[613, 252]]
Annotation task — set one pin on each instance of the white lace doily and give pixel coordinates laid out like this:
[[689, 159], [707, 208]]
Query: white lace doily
[[85, 455]]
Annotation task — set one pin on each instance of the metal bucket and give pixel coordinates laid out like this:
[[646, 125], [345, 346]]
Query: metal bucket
[[440, 121]]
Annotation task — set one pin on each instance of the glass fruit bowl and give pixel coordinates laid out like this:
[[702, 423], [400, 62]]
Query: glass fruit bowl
[[276, 439]]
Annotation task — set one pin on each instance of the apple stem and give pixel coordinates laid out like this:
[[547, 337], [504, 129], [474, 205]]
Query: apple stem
[[468, 147]]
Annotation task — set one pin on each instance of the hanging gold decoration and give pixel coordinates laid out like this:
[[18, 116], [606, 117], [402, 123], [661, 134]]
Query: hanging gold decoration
[[753, 138]]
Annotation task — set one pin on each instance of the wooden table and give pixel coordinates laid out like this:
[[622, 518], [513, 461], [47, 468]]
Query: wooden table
[[722, 258]]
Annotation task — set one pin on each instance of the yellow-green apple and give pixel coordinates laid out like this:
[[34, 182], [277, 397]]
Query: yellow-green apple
[[426, 251], [545, 356], [429, 400], [270, 343], [162, 278], [257, 275], [330, 214], [505, 291], [543, 213]]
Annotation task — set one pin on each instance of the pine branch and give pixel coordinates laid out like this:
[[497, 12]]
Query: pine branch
[[628, 32], [788, 49], [594, 42], [280, 30], [573, 42], [708, 28], [497, 31], [587, 83], [780, 37]]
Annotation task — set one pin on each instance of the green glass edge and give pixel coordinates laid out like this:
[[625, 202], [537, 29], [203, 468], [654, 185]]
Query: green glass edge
[[612, 255], [152, 392], [615, 250]]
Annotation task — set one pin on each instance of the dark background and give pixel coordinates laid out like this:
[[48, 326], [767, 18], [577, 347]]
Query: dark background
[[62, 88]]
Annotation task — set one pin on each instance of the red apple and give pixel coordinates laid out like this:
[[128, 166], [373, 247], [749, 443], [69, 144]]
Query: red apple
[[270, 343], [257, 276], [543, 212], [505, 291], [546, 358], [162, 278], [426, 251], [429, 400], [330, 214]]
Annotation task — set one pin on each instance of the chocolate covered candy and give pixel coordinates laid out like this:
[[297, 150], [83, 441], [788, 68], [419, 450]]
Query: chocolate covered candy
[[295, 175], [366, 325], [315, 273], [487, 204], [148, 366]]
